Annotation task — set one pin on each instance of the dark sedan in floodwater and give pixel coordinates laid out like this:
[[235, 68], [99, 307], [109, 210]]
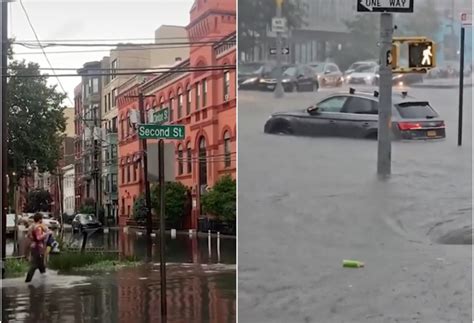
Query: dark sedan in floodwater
[[356, 115], [295, 77]]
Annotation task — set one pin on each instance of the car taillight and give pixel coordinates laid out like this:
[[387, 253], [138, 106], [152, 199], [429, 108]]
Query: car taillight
[[409, 126]]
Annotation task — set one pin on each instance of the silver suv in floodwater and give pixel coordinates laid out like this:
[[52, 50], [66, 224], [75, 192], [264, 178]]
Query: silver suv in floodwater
[[355, 114]]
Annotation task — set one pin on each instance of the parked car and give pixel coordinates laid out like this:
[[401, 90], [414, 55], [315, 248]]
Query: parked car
[[295, 77], [358, 65], [327, 74], [250, 74], [356, 115], [366, 74], [85, 221], [48, 220]]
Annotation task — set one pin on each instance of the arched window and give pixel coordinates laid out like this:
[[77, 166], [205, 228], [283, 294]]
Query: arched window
[[180, 159], [180, 103], [188, 100], [198, 95], [204, 93], [227, 152], [189, 156], [162, 103], [202, 162], [171, 116]]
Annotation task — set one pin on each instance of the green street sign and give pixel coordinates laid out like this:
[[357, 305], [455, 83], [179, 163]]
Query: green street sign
[[161, 116], [153, 131]]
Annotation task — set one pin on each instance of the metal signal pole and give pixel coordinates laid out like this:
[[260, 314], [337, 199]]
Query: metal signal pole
[[461, 86], [279, 92], [161, 175], [3, 122], [384, 155]]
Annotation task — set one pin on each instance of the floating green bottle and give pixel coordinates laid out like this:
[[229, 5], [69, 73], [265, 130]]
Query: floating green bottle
[[352, 264]]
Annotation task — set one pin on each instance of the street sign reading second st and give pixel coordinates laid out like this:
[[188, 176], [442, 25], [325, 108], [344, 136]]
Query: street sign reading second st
[[385, 5], [153, 131]]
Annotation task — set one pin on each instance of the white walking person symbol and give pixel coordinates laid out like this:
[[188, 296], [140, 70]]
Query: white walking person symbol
[[427, 56]]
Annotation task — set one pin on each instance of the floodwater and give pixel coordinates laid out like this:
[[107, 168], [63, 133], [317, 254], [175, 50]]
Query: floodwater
[[200, 285]]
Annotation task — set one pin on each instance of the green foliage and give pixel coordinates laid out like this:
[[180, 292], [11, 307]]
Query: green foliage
[[88, 207], [176, 197], [256, 15], [35, 119], [365, 33], [139, 208], [220, 201], [16, 267], [38, 201]]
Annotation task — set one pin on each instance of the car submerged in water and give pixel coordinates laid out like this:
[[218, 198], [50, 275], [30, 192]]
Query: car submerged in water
[[355, 115]]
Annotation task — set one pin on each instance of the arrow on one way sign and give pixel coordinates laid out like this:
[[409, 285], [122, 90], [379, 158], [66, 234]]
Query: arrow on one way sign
[[385, 5]]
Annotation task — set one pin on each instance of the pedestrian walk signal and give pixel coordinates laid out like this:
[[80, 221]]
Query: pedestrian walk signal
[[422, 54]]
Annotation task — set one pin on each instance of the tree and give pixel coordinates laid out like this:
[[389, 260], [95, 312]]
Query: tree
[[256, 15], [139, 208], [220, 201], [176, 198], [88, 207], [36, 120], [364, 31], [38, 201]]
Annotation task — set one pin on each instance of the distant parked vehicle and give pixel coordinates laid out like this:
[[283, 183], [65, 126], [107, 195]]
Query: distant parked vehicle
[[85, 221], [249, 74], [358, 65], [295, 77], [327, 74]]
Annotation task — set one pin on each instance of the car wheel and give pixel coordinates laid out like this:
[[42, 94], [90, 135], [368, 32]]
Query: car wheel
[[282, 128]]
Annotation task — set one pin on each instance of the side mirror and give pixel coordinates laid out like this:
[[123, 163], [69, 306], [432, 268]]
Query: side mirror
[[313, 110], [300, 76]]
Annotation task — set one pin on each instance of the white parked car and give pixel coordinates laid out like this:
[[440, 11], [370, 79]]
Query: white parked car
[[47, 220]]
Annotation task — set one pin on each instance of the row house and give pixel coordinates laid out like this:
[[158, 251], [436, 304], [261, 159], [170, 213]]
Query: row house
[[200, 98]]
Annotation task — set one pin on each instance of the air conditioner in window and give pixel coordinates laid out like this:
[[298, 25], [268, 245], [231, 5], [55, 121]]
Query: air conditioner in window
[[226, 97]]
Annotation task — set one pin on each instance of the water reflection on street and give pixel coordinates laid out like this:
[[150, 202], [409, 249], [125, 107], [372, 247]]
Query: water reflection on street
[[200, 285]]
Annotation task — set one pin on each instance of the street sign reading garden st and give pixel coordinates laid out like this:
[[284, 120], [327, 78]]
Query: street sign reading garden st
[[153, 131], [161, 116], [385, 5]]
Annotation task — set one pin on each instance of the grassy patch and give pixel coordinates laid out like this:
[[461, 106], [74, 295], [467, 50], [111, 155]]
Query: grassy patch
[[72, 261], [16, 267]]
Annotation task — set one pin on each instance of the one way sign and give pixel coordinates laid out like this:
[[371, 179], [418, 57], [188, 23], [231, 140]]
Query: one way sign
[[284, 51], [385, 5]]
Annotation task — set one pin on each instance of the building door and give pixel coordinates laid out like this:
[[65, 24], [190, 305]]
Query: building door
[[202, 162]]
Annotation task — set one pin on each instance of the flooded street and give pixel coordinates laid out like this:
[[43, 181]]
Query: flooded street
[[200, 285]]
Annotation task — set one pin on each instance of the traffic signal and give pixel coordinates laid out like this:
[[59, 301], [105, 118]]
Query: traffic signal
[[422, 54], [394, 56]]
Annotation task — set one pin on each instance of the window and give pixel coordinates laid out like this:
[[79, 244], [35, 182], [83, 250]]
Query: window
[[105, 103], [227, 153], [113, 152], [128, 173], [95, 85], [109, 102], [189, 157], [360, 106], [188, 101], [416, 110], [204, 93], [226, 84], [171, 107], [198, 95], [333, 104], [114, 97], [180, 160], [202, 162], [135, 172], [113, 71], [114, 183], [128, 210], [123, 174], [114, 125], [180, 104]]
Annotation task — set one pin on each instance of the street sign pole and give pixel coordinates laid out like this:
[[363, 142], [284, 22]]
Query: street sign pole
[[461, 86], [279, 92], [384, 156], [161, 177], [3, 123]]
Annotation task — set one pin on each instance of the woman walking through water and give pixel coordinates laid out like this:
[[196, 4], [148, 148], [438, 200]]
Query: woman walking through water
[[37, 237]]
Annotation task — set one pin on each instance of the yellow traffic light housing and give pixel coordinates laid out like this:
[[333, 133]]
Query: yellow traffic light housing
[[422, 54], [395, 56]]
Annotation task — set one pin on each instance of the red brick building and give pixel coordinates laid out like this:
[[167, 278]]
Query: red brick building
[[202, 100]]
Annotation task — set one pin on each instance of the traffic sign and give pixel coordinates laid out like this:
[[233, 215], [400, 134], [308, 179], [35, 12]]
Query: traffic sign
[[284, 51], [279, 25], [466, 19], [161, 116], [153, 131], [385, 5], [422, 54]]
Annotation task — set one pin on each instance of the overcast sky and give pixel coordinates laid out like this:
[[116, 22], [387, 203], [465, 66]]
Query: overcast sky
[[89, 19]]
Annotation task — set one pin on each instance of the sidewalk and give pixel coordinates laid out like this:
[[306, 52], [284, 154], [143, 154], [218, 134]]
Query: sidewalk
[[442, 83]]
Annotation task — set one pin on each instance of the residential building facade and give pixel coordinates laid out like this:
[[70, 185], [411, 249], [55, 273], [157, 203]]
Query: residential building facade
[[68, 190], [204, 101]]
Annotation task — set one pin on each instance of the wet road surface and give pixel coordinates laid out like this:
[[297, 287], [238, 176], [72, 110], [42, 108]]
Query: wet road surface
[[200, 286], [305, 204]]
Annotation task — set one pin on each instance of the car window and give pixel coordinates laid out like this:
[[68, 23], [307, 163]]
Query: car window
[[333, 104], [416, 110], [332, 68], [360, 106]]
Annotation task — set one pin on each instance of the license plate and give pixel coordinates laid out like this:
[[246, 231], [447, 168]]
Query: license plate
[[431, 133]]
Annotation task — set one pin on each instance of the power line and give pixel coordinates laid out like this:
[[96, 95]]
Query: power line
[[170, 71], [141, 69], [109, 39], [42, 49], [118, 45]]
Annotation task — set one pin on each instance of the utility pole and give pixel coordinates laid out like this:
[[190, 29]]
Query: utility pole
[[384, 160], [3, 123], [161, 176], [279, 91], [461, 85]]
